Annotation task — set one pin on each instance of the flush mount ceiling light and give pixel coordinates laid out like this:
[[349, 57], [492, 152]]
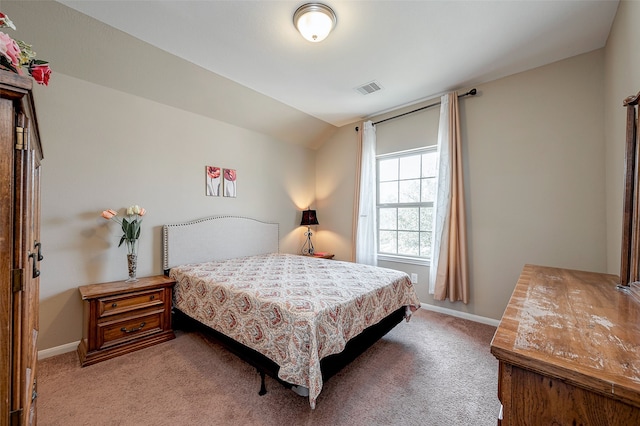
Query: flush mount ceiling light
[[314, 21]]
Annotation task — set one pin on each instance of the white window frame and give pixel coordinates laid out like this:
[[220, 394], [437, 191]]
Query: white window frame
[[397, 257]]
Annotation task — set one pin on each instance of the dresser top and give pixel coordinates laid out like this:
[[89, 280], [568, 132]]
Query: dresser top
[[574, 325]]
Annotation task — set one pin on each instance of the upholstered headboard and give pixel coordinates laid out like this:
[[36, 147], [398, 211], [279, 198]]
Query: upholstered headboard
[[217, 238]]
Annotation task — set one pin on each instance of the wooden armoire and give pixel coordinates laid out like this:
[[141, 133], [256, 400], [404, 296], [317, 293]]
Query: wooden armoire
[[20, 249]]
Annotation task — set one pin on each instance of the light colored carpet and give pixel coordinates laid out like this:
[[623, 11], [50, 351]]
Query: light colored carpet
[[433, 370]]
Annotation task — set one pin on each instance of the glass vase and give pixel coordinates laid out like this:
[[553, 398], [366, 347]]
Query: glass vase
[[132, 263]]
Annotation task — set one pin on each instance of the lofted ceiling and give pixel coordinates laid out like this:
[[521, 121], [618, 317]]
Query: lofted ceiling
[[414, 49]]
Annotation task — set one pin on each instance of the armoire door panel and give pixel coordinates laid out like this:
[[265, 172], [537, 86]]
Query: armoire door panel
[[6, 256], [20, 253]]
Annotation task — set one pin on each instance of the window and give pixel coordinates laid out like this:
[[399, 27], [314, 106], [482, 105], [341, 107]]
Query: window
[[406, 193]]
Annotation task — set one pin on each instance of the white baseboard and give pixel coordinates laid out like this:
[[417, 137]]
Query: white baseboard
[[58, 350], [463, 315]]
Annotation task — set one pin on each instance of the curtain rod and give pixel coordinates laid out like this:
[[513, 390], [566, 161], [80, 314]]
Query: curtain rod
[[471, 92]]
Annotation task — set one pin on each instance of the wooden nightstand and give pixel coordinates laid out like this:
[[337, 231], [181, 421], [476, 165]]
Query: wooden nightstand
[[323, 255], [121, 317]]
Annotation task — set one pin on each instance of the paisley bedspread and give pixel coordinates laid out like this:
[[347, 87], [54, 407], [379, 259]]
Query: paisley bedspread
[[293, 309]]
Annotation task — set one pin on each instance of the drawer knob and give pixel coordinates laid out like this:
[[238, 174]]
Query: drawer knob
[[114, 305], [124, 329], [153, 297]]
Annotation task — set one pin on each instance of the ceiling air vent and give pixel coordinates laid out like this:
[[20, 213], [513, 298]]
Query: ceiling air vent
[[371, 87]]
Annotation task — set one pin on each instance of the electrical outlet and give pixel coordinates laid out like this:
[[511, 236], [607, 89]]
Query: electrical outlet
[[414, 278]]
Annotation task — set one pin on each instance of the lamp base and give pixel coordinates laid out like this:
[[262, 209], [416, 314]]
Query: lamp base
[[307, 248]]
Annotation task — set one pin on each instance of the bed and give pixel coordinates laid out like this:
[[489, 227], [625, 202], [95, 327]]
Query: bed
[[291, 316]]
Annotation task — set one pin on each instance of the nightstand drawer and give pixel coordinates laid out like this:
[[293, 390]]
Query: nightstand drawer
[[114, 333], [118, 304]]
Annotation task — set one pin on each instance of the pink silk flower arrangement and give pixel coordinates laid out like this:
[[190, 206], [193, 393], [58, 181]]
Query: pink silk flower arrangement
[[16, 54]]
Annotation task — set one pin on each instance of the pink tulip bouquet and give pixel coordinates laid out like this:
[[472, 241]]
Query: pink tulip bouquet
[[130, 225], [16, 55]]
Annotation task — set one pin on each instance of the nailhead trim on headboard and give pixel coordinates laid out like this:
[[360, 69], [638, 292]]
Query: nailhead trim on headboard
[[217, 238]]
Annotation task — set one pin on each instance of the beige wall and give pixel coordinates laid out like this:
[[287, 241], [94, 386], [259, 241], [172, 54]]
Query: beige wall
[[622, 79], [335, 171], [534, 176], [107, 149]]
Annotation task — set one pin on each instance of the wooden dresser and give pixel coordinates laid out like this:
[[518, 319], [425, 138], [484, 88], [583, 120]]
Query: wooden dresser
[[121, 317], [568, 347]]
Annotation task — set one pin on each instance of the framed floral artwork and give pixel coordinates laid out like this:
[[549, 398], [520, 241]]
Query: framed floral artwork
[[213, 181], [229, 182]]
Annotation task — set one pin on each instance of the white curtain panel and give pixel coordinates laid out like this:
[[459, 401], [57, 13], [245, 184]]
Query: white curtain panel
[[366, 247], [440, 230]]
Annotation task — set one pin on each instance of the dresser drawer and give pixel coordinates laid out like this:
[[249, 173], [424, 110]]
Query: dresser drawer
[[117, 332], [124, 303]]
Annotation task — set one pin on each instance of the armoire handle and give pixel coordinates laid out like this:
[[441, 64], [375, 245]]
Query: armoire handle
[[35, 271], [38, 246]]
